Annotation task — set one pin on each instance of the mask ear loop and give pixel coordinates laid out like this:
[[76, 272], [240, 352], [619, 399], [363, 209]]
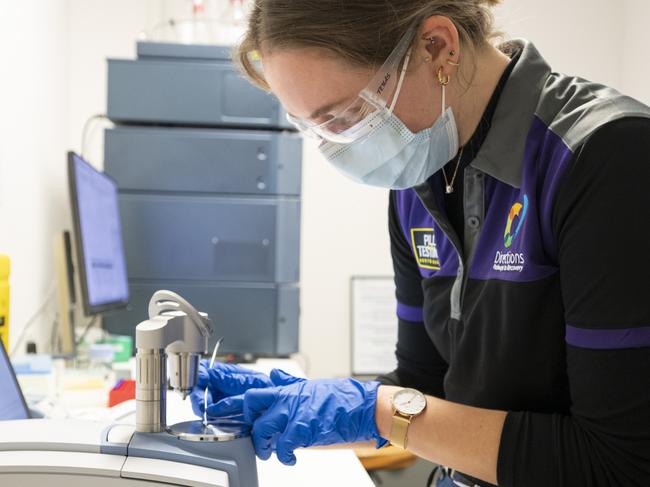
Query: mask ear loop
[[401, 81], [444, 101]]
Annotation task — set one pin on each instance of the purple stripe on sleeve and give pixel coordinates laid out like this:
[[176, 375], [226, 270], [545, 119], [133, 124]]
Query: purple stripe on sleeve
[[608, 339], [409, 313]]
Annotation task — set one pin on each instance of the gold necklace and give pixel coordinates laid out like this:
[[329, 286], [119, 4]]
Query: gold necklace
[[449, 186]]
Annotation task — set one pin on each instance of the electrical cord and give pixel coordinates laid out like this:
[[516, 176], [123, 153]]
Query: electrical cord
[[86, 330], [30, 322], [86, 129]]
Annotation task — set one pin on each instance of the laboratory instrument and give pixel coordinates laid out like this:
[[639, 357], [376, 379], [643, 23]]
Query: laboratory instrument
[[195, 143], [74, 453]]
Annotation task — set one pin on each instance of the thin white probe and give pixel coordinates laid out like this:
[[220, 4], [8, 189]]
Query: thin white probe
[[205, 393]]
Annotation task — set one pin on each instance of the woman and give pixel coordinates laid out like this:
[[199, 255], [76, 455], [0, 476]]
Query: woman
[[519, 231]]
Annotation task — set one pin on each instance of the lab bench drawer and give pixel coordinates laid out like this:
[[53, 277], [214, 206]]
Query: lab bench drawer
[[253, 318], [188, 92], [204, 160], [209, 238]]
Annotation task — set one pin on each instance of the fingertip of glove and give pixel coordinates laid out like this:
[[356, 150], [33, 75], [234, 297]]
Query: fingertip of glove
[[277, 375], [281, 378], [289, 460], [264, 453]]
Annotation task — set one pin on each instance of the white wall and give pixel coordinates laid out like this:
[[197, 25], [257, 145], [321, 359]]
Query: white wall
[[344, 225], [633, 53], [33, 116], [578, 37], [344, 233], [97, 30]]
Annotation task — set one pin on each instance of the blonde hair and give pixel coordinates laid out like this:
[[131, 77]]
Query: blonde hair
[[360, 32]]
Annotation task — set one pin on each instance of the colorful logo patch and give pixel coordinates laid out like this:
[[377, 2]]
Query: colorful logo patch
[[424, 248], [509, 261], [519, 211]]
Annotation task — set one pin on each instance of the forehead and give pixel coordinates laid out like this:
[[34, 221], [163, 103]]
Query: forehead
[[306, 79]]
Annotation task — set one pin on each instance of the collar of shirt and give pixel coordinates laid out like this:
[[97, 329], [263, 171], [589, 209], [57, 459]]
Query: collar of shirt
[[473, 146], [502, 152]]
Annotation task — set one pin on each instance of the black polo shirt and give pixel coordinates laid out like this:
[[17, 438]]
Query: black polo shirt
[[528, 293]]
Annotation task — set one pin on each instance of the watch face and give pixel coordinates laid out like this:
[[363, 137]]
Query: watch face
[[409, 401]]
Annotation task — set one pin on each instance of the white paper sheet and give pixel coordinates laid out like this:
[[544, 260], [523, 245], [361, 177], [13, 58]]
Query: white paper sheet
[[374, 325]]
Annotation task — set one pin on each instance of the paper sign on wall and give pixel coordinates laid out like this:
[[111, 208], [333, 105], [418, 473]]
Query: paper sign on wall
[[374, 325]]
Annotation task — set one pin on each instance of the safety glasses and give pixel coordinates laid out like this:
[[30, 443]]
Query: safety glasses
[[371, 105]]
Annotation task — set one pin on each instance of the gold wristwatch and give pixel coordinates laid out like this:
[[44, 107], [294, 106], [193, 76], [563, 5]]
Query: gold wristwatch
[[407, 404]]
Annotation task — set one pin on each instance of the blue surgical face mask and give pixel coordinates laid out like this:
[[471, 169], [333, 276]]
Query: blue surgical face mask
[[391, 156]]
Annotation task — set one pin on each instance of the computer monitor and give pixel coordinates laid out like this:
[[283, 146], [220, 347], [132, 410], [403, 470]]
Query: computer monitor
[[100, 256], [12, 401]]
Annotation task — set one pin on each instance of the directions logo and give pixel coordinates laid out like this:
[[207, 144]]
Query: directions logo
[[512, 261], [517, 210], [424, 248]]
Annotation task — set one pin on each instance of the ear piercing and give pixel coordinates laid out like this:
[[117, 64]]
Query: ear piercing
[[452, 53], [443, 78]]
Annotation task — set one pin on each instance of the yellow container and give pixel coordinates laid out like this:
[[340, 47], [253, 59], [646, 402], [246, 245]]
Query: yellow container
[[4, 300]]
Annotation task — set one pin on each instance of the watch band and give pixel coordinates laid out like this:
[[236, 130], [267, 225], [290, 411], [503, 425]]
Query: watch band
[[399, 430]]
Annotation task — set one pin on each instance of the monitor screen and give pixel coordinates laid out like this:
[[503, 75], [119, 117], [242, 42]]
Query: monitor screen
[[12, 402], [100, 249]]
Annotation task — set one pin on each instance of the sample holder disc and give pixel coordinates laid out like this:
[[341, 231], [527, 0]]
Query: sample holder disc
[[219, 430]]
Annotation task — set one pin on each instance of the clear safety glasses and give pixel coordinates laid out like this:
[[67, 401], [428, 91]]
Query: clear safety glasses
[[371, 105]]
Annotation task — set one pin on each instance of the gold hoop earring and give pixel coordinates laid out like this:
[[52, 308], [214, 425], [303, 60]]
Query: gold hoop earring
[[444, 79], [452, 63]]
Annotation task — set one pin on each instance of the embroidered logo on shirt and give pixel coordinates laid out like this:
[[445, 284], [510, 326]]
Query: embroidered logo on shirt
[[512, 261], [424, 248], [517, 210]]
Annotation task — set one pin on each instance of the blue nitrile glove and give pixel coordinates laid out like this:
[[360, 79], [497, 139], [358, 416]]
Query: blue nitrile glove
[[224, 380], [301, 413]]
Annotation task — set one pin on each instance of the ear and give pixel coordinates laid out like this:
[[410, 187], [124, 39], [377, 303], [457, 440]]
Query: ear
[[439, 42]]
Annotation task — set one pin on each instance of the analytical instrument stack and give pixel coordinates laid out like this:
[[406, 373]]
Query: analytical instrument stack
[[209, 174]]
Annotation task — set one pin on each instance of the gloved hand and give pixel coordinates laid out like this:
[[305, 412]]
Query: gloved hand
[[224, 380], [301, 413]]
